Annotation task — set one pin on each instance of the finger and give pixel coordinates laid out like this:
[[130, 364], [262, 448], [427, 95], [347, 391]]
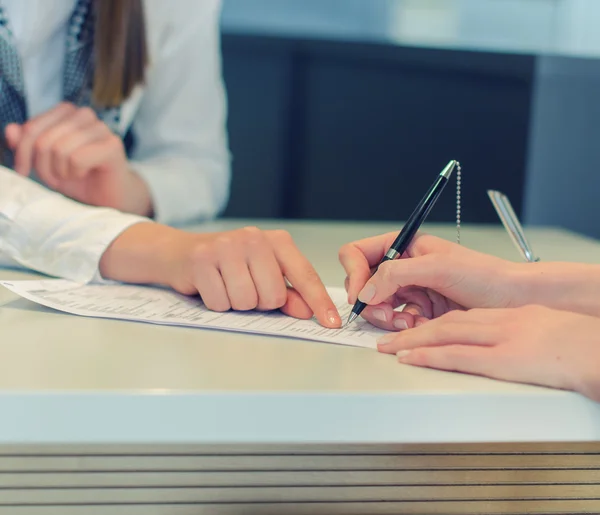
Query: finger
[[384, 317], [425, 244], [360, 257], [71, 143], [433, 271], [304, 278], [358, 269], [295, 306], [239, 284], [13, 133], [264, 269], [453, 358], [207, 279], [45, 145], [211, 289], [372, 250], [440, 332], [232, 263], [421, 320], [413, 309], [33, 129], [93, 155], [417, 301], [425, 302], [440, 304]]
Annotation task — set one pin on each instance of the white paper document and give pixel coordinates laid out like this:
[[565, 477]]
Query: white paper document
[[165, 307]]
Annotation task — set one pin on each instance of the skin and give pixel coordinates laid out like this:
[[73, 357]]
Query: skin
[[474, 313], [76, 154], [241, 270]]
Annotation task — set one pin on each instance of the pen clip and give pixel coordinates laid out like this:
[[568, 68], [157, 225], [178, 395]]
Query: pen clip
[[512, 225]]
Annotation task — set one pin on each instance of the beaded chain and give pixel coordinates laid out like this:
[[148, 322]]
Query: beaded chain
[[458, 204]]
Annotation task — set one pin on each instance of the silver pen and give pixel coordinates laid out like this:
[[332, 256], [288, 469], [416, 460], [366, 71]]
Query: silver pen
[[512, 225]]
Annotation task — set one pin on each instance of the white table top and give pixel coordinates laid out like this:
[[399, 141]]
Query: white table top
[[71, 379]]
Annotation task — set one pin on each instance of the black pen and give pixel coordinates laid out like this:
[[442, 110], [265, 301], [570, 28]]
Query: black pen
[[412, 226]]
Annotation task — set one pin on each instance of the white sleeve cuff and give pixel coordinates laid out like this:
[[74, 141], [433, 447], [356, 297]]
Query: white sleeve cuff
[[181, 192], [59, 237]]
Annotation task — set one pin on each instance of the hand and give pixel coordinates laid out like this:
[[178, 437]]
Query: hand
[[77, 155], [242, 270], [531, 344], [441, 276]]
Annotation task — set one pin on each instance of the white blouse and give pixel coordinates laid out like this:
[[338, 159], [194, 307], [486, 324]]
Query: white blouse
[[40, 32]]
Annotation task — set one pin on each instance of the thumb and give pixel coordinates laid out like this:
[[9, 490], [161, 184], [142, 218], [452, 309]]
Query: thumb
[[436, 272], [13, 134]]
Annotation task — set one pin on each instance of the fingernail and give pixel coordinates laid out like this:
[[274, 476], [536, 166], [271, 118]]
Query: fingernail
[[401, 324], [420, 322], [387, 339], [402, 353], [367, 293], [379, 314], [333, 317]]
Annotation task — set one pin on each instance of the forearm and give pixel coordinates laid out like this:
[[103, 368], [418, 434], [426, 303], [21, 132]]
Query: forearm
[[565, 286]]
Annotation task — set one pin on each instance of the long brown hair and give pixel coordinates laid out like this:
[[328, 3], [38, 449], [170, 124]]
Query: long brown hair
[[121, 52]]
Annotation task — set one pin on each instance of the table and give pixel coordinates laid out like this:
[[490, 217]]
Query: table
[[195, 421]]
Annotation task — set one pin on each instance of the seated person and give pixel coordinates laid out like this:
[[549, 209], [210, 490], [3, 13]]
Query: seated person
[[242, 270], [117, 103], [469, 312]]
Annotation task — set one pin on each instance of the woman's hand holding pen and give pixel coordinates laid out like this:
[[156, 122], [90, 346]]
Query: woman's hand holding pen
[[241, 270], [76, 154], [433, 277], [436, 276]]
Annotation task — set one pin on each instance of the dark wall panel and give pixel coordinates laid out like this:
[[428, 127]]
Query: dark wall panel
[[257, 77], [330, 130], [379, 131]]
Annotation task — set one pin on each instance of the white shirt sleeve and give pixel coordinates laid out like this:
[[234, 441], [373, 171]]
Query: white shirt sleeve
[[46, 232], [181, 138]]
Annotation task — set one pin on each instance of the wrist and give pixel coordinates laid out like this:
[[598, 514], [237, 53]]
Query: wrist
[[590, 383], [145, 253], [571, 287], [139, 199], [583, 359]]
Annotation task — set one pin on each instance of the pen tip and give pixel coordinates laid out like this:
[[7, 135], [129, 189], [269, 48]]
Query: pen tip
[[447, 172], [351, 318]]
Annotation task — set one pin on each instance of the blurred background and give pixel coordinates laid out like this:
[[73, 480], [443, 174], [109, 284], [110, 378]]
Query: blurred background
[[347, 109]]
